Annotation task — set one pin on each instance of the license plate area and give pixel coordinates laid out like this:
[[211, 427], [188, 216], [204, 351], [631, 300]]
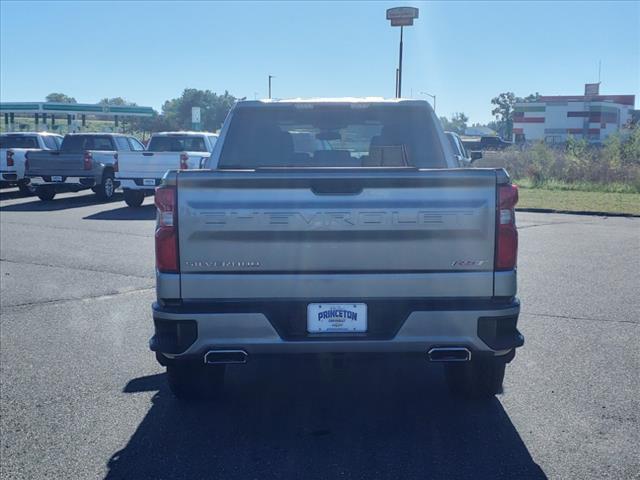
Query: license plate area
[[149, 182], [56, 178], [336, 318]]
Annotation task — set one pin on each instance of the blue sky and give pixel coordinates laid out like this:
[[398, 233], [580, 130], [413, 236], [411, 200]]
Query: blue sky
[[464, 52]]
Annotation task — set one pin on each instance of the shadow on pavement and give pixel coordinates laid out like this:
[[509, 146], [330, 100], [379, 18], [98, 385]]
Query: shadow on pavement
[[11, 193], [76, 201], [373, 419], [146, 212]]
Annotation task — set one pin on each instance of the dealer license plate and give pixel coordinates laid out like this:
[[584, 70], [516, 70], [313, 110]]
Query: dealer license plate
[[336, 317]]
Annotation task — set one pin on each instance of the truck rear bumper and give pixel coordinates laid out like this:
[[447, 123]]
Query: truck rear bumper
[[75, 181], [485, 327], [138, 184], [9, 175]]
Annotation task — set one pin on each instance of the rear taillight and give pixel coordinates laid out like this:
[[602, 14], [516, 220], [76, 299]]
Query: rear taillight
[[10, 158], [166, 230], [506, 232], [115, 162], [87, 161], [184, 158]]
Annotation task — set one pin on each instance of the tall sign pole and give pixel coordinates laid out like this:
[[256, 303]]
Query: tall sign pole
[[400, 65], [401, 17]]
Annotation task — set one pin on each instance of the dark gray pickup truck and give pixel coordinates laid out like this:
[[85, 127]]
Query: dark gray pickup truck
[[85, 160], [335, 227]]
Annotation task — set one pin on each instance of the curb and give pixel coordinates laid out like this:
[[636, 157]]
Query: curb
[[572, 212]]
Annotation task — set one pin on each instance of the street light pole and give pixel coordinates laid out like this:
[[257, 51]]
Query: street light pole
[[270, 77], [432, 96]]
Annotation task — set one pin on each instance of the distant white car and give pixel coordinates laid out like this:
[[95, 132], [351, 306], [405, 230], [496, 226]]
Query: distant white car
[[13, 148], [139, 172]]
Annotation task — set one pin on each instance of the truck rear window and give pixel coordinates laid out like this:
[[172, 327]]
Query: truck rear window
[[80, 143], [177, 143], [331, 136], [18, 141]]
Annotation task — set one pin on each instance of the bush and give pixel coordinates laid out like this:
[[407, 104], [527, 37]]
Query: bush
[[615, 165]]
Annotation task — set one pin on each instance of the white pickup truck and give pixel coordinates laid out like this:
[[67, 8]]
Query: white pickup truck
[[139, 172], [14, 147]]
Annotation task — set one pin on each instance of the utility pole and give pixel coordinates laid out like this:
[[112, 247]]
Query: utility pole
[[270, 77]]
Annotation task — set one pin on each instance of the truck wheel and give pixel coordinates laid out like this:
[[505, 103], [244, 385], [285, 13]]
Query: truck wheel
[[195, 381], [133, 198], [476, 379], [26, 188], [45, 193], [107, 188]]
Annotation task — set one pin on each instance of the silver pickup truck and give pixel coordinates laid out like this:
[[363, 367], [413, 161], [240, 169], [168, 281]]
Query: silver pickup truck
[[332, 227], [85, 160]]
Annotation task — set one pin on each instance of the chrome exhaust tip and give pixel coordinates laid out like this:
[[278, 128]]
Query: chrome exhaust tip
[[217, 357], [449, 354]]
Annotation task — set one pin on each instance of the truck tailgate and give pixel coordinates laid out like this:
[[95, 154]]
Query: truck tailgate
[[154, 164], [333, 233], [57, 163]]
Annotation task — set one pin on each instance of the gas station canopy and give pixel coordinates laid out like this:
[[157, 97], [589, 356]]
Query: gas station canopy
[[47, 111], [74, 108]]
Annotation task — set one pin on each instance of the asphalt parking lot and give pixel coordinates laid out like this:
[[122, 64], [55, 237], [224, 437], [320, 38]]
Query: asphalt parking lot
[[82, 397]]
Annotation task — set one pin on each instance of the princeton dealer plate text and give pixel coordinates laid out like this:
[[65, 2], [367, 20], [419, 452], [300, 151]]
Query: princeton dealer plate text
[[336, 317]]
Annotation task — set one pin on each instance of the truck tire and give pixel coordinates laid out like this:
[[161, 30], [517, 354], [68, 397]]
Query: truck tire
[[107, 187], [46, 193], [26, 188], [480, 378], [195, 381], [133, 198]]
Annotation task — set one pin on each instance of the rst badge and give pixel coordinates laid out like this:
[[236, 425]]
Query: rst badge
[[468, 263]]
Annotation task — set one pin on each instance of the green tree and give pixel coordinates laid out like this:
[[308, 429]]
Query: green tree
[[533, 97], [214, 109], [60, 97], [457, 124], [116, 101], [148, 125], [503, 111]]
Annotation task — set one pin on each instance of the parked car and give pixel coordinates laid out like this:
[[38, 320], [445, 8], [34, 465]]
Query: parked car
[[370, 241], [85, 160], [141, 171], [464, 158], [14, 147], [489, 142]]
